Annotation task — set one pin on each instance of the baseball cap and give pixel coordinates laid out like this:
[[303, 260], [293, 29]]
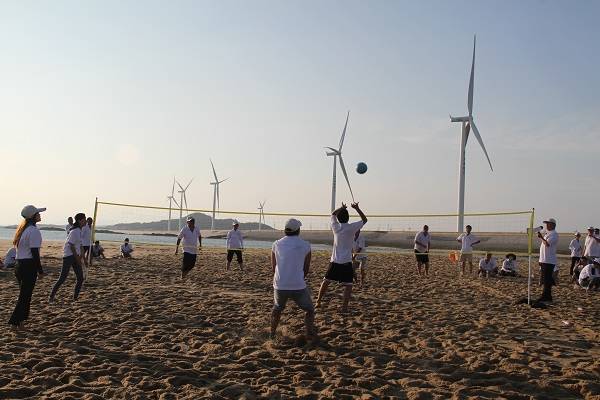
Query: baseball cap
[[590, 228], [550, 220], [190, 218], [292, 225], [235, 222], [577, 233], [29, 211]]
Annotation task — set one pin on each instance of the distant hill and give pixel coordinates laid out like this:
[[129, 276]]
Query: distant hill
[[203, 221]]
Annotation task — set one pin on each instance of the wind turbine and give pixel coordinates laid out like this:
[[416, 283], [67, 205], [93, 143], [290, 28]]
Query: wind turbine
[[467, 124], [216, 202], [171, 201], [338, 153], [261, 215], [183, 200]]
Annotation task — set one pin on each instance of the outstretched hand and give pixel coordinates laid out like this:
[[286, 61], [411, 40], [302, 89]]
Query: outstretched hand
[[354, 205]]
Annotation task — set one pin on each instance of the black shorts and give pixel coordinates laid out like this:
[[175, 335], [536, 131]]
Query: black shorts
[[230, 254], [189, 261], [421, 257], [342, 273]]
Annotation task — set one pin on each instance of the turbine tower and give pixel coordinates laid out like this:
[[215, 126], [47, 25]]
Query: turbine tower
[[467, 124], [183, 200], [171, 201], [216, 202], [261, 215], [337, 153]]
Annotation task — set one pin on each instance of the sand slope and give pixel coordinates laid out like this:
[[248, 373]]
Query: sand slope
[[139, 332]]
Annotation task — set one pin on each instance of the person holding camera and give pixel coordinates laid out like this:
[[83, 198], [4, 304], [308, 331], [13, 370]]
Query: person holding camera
[[548, 259]]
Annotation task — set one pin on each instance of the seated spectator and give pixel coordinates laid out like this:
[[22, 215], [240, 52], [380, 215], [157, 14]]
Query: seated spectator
[[487, 266], [98, 250], [509, 266], [126, 249], [589, 277], [10, 260], [581, 263]]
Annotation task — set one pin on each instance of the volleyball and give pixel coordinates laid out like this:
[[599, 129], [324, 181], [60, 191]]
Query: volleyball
[[361, 168]]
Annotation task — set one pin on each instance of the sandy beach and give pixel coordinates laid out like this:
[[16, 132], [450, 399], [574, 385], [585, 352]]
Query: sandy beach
[[139, 332]]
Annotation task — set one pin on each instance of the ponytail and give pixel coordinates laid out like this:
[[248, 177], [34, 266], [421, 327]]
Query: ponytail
[[20, 229]]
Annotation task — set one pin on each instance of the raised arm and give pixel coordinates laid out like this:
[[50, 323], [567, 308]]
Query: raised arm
[[362, 215]]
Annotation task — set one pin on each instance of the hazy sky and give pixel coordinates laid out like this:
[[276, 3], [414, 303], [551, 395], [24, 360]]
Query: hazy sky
[[113, 98]]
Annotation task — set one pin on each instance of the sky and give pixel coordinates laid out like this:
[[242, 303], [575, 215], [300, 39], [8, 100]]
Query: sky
[[111, 99]]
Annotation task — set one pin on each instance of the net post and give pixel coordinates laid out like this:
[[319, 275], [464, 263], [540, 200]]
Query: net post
[[94, 227], [529, 251]]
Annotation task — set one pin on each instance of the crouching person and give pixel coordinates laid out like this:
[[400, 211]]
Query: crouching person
[[487, 266], [509, 266], [290, 260]]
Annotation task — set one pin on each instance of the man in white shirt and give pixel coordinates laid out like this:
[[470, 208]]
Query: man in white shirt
[[10, 259], [487, 266], [422, 245], [86, 239], [548, 259], [467, 241], [69, 225], [592, 244], [126, 249], [340, 268], [576, 251], [589, 277], [509, 266], [192, 242], [359, 257], [235, 245], [290, 262]]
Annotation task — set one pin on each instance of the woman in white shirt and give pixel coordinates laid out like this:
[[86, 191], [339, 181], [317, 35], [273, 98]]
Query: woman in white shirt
[[509, 266], [72, 257], [28, 241]]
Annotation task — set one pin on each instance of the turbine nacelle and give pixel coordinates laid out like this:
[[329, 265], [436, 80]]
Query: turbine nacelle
[[459, 119]]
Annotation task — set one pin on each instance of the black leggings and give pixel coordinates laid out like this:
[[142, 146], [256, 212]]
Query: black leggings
[[69, 262], [574, 260], [26, 273]]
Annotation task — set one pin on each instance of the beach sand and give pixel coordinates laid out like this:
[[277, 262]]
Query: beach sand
[[138, 331]]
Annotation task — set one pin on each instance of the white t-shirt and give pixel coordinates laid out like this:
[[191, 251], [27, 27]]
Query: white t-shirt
[[235, 240], [74, 239], [487, 265], [509, 265], [68, 228], [586, 272], [11, 257], [592, 247], [424, 239], [359, 244], [190, 239], [343, 240], [126, 248], [548, 253], [290, 252], [86, 235], [575, 247], [466, 242], [31, 238]]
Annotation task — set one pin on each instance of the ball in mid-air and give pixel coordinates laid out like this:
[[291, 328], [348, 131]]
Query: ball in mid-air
[[361, 168]]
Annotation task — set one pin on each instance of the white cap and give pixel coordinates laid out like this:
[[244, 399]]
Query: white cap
[[235, 222], [550, 220], [292, 225], [591, 228], [577, 233], [29, 211], [190, 218]]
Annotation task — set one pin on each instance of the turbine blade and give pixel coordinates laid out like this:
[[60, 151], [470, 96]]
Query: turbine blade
[[471, 81], [185, 201], [176, 203], [478, 137], [188, 185], [467, 130], [218, 200], [214, 172], [173, 188], [346, 176], [344, 132], [224, 180], [180, 187]]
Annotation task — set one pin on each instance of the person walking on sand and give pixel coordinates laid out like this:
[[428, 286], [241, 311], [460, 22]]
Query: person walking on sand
[[340, 267], [72, 258], [467, 240], [548, 259], [592, 244], [422, 245], [28, 241], [192, 242], [576, 251], [86, 240], [290, 263], [235, 245]]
